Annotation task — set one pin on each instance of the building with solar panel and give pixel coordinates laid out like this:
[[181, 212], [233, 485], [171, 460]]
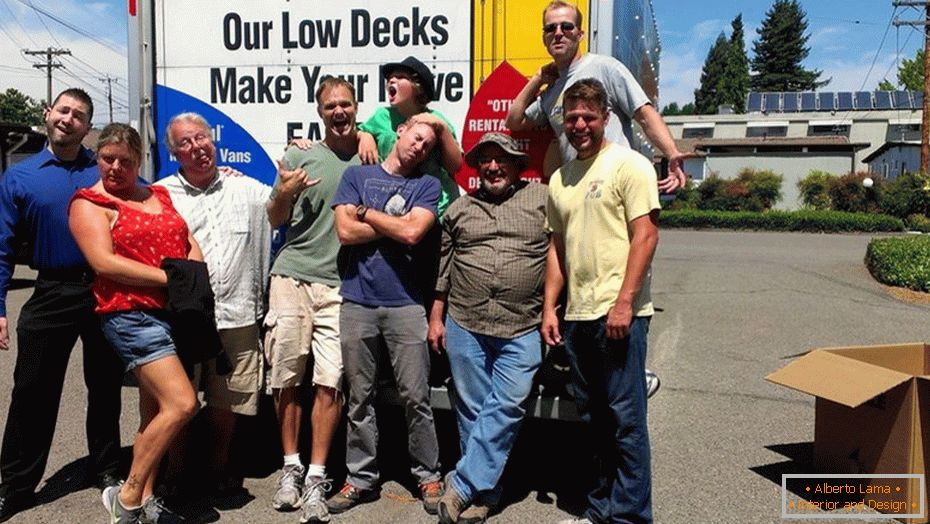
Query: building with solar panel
[[794, 133]]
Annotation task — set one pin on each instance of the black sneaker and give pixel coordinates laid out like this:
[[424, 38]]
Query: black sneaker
[[107, 480], [154, 511], [11, 505]]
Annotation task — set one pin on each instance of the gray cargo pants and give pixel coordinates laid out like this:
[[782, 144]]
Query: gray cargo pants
[[404, 331]]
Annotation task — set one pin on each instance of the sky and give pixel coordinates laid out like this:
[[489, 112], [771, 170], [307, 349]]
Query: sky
[[852, 41], [98, 49]]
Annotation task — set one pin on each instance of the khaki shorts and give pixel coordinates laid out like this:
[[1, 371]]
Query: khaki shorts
[[303, 323], [239, 391]]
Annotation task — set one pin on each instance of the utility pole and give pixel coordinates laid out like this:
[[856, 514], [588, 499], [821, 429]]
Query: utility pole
[[109, 80], [925, 112], [48, 65]]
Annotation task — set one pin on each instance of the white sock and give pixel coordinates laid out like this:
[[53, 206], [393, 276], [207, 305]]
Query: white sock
[[292, 460], [316, 470]]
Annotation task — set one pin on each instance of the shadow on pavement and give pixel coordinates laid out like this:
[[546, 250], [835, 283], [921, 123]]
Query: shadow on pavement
[[549, 458], [800, 457], [70, 478]]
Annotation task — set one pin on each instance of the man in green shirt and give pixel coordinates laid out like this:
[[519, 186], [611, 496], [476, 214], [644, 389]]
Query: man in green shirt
[[304, 301]]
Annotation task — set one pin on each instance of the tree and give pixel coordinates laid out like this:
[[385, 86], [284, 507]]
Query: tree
[[734, 84], [885, 85], [672, 109], [780, 49], [708, 96], [18, 108], [911, 72]]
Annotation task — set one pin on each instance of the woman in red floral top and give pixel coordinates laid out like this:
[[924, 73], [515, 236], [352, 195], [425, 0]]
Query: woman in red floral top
[[125, 230]]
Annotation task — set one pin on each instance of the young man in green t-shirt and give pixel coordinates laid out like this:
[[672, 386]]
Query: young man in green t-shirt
[[304, 301]]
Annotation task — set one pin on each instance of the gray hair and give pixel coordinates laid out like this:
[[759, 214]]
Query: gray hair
[[189, 116]]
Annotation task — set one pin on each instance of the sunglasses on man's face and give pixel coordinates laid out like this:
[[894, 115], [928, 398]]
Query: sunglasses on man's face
[[566, 27]]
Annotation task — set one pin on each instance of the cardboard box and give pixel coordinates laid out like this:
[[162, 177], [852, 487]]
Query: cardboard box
[[872, 410]]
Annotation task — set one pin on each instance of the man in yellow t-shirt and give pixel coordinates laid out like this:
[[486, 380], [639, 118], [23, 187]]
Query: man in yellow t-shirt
[[603, 209]]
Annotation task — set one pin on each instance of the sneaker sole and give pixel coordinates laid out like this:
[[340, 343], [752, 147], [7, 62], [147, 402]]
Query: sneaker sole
[[361, 500], [314, 521], [444, 517], [285, 507]]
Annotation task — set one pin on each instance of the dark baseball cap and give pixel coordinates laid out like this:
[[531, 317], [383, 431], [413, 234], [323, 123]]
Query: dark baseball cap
[[506, 142], [413, 67]]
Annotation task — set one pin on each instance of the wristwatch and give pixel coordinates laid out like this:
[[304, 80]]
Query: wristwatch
[[360, 212]]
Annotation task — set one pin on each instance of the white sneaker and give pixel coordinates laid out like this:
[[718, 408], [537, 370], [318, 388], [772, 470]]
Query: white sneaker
[[575, 521], [652, 383], [313, 502], [287, 497]]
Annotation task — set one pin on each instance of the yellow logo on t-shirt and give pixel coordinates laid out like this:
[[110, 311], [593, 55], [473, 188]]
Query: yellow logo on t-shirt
[[594, 189]]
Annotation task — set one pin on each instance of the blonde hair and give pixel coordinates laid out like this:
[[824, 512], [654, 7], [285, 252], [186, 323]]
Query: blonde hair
[[117, 133], [559, 4]]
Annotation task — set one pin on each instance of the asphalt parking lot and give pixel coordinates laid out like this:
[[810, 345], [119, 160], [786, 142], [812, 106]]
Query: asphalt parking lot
[[733, 307]]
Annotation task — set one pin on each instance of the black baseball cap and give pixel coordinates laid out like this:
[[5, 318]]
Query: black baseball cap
[[413, 67]]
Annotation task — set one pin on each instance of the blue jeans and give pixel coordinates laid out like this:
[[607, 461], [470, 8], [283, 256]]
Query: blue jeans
[[608, 378], [493, 377]]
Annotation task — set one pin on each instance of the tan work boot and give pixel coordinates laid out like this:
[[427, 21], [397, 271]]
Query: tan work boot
[[477, 513], [451, 505]]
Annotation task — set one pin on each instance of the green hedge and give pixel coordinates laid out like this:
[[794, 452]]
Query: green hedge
[[900, 261], [803, 220]]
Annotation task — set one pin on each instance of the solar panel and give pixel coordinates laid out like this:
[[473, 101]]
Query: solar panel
[[808, 101], [902, 100], [918, 98], [754, 103], [771, 102], [863, 100], [844, 101], [789, 102], [826, 101], [883, 100]]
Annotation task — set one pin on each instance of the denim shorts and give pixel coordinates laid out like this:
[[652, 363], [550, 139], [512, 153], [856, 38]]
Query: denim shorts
[[138, 337]]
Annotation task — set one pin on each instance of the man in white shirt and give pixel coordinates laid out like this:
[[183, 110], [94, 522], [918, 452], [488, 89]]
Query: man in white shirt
[[226, 215]]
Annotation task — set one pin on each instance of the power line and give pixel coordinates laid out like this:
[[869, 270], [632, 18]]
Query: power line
[[94, 88], [92, 71], [42, 21], [879, 50], [72, 27], [21, 27], [14, 68], [48, 65]]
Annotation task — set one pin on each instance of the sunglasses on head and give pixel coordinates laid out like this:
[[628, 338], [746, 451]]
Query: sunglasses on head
[[564, 26]]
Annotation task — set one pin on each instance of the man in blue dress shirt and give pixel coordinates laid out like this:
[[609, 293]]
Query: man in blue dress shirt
[[34, 197]]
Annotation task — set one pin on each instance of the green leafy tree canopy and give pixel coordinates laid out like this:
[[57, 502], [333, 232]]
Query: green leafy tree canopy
[[911, 72], [19, 108], [672, 109]]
